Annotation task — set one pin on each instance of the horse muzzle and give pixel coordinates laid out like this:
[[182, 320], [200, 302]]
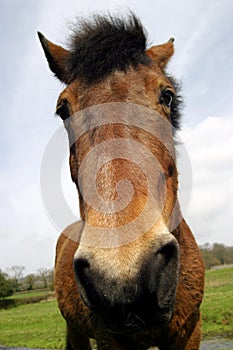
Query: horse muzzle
[[144, 299]]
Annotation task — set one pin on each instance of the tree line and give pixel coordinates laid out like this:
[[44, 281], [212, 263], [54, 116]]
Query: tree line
[[216, 254], [13, 280]]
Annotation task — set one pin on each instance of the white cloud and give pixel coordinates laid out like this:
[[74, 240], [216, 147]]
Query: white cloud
[[210, 146]]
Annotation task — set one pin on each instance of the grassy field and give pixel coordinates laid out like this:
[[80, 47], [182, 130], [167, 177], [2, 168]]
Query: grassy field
[[29, 294], [217, 309], [34, 326], [41, 325]]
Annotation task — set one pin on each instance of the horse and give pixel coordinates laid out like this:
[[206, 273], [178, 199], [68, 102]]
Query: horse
[[129, 283]]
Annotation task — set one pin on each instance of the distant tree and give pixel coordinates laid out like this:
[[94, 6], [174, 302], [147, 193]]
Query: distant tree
[[16, 272], [229, 255], [6, 287], [206, 246], [43, 274], [29, 281], [209, 259], [219, 251], [51, 279], [216, 254]]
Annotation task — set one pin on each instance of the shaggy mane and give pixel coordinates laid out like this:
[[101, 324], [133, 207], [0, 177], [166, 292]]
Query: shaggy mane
[[105, 44]]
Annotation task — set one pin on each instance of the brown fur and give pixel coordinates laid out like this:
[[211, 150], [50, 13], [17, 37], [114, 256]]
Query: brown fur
[[141, 84], [184, 331]]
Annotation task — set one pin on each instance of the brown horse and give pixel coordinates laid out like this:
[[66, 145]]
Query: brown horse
[[129, 283]]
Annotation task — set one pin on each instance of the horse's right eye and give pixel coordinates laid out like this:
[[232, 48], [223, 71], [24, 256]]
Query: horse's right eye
[[63, 109]]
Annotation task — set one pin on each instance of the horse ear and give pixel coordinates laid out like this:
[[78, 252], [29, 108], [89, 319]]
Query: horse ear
[[161, 53], [57, 58]]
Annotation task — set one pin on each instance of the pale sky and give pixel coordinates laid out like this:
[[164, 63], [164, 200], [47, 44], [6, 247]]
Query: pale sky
[[203, 61]]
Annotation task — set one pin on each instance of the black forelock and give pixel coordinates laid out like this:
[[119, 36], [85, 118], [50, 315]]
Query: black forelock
[[104, 44]]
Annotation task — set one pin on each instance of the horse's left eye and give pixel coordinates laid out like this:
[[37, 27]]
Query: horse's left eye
[[63, 109], [166, 98]]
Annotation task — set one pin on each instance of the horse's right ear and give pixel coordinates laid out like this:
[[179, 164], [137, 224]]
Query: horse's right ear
[[57, 58]]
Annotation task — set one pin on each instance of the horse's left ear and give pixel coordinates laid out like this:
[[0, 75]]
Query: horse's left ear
[[57, 58], [161, 53]]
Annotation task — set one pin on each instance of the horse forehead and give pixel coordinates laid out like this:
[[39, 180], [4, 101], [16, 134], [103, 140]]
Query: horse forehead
[[115, 88]]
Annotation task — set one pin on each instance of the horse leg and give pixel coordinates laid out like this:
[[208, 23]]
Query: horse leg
[[187, 339], [117, 342], [194, 340], [75, 340], [107, 344]]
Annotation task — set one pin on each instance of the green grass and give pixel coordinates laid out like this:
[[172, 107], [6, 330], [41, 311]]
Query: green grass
[[29, 294], [41, 325], [34, 326], [217, 308]]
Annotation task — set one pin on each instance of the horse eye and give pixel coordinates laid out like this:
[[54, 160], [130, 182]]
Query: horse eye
[[166, 98], [63, 109]]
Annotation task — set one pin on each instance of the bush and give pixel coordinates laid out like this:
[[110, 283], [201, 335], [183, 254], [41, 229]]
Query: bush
[[6, 287]]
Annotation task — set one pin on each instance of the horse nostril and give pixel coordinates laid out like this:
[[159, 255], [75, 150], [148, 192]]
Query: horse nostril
[[81, 267], [167, 252], [165, 283]]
